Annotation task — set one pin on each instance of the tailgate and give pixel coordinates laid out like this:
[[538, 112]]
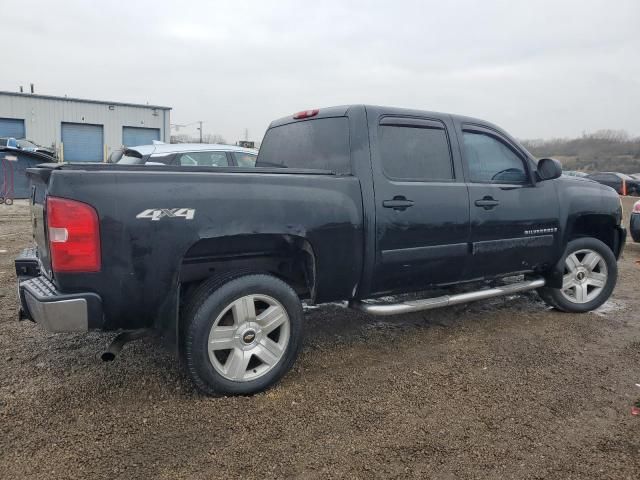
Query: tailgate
[[39, 177]]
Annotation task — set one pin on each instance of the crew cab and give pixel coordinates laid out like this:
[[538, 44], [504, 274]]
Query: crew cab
[[345, 203]]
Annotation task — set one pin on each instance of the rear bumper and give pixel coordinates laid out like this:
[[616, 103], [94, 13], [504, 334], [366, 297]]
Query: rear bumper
[[55, 311]]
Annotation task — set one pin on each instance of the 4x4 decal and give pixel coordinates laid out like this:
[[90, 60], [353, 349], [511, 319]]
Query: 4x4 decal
[[155, 214]]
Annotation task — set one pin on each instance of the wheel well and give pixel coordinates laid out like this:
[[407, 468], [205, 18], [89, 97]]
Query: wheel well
[[601, 227], [597, 226], [287, 257]]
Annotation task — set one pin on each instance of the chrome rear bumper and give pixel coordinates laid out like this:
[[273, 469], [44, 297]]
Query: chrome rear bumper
[[55, 311]]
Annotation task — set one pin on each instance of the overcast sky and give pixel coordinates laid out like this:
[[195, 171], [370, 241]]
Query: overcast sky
[[538, 68]]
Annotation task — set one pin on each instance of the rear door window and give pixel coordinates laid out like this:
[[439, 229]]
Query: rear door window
[[316, 144], [414, 153], [245, 159]]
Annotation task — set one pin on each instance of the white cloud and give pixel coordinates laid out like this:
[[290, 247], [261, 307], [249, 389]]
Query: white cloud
[[539, 69]]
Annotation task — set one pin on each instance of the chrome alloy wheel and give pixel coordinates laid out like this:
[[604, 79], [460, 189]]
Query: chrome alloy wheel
[[249, 338], [585, 275]]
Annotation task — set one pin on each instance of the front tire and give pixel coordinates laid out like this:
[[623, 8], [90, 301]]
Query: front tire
[[590, 273], [242, 334]]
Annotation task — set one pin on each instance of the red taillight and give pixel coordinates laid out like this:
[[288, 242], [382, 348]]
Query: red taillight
[[74, 236], [306, 114], [636, 207]]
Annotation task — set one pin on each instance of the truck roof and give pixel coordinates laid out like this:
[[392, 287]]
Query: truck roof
[[342, 110]]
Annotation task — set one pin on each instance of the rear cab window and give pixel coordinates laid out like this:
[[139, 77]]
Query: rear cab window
[[321, 144]]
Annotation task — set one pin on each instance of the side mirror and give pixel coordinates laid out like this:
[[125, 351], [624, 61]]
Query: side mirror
[[548, 169]]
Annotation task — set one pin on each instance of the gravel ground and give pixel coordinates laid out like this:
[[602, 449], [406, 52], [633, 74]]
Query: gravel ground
[[505, 388]]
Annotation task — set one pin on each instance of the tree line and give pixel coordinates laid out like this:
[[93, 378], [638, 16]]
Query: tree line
[[604, 150]]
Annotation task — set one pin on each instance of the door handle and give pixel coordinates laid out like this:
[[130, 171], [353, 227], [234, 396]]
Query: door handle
[[487, 203], [398, 203]]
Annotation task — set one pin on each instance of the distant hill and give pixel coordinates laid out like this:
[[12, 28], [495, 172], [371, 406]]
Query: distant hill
[[604, 150]]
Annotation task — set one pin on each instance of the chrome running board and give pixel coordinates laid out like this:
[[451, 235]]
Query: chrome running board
[[445, 300]]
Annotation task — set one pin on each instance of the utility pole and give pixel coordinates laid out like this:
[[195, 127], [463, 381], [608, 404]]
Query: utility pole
[[200, 122]]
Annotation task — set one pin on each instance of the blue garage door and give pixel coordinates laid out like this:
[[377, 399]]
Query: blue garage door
[[132, 136], [82, 142], [12, 127]]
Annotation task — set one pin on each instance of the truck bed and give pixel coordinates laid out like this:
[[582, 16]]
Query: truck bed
[[243, 213]]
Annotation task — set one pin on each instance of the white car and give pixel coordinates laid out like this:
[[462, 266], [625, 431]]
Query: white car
[[187, 154]]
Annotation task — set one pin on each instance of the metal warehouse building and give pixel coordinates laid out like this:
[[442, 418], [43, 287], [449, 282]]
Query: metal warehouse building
[[81, 130]]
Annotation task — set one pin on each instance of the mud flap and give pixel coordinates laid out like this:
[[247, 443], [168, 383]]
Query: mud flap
[[553, 278]]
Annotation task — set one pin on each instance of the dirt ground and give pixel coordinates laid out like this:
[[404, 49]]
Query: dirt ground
[[505, 388]]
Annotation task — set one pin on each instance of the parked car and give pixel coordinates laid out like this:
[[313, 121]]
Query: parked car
[[189, 154], [636, 176], [345, 203], [574, 173], [622, 183], [634, 222], [26, 145]]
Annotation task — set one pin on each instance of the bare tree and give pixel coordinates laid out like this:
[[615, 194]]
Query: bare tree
[[181, 138], [213, 138], [610, 135], [206, 138]]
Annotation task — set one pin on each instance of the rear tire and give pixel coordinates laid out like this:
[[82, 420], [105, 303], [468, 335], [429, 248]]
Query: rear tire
[[242, 334], [590, 273]]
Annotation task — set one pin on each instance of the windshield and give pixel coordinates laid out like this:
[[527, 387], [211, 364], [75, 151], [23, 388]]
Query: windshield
[[26, 144]]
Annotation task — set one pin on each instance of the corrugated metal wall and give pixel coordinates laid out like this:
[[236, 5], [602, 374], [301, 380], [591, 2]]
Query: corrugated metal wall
[[43, 118]]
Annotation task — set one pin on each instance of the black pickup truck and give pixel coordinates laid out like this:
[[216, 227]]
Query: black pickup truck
[[345, 204]]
